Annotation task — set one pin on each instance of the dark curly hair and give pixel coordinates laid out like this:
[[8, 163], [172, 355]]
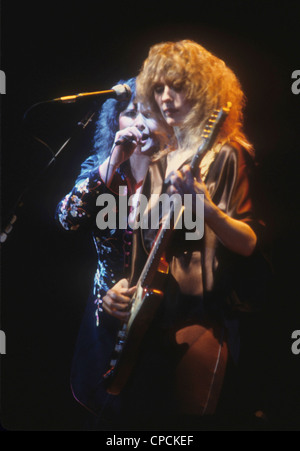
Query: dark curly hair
[[107, 124]]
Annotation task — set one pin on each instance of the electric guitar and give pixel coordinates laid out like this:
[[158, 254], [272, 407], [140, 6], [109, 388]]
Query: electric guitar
[[149, 292]]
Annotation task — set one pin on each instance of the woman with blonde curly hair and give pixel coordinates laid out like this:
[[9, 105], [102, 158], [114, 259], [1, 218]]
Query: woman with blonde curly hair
[[193, 339], [207, 83]]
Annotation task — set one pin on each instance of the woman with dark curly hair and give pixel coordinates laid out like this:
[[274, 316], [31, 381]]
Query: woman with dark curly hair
[[126, 139], [179, 373]]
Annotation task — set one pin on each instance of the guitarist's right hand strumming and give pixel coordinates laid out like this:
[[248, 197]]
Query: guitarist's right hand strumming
[[117, 301]]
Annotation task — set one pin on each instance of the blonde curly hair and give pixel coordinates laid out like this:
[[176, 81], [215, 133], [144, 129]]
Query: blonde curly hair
[[208, 83]]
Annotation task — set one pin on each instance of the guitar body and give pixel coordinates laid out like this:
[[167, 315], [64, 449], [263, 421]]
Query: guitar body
[[147, 301]]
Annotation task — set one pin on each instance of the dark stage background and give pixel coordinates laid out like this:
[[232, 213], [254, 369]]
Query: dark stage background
[[51, 49]]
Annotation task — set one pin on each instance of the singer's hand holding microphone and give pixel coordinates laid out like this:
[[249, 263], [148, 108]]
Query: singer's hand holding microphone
[[126, 141]]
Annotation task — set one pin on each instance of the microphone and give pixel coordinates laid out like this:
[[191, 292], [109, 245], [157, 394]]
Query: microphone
[[124, 140], [119, 92]]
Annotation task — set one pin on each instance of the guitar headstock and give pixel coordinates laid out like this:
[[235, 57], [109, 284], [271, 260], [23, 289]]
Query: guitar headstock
[[210, 134], [215, 122]]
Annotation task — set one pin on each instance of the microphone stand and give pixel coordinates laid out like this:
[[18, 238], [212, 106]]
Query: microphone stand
[[82, 124]]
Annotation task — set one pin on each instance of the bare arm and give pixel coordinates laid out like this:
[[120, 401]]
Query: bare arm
[[236, 235]]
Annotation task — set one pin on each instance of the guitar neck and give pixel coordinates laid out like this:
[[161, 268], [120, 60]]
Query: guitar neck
[[160, 243], [209, 135]]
